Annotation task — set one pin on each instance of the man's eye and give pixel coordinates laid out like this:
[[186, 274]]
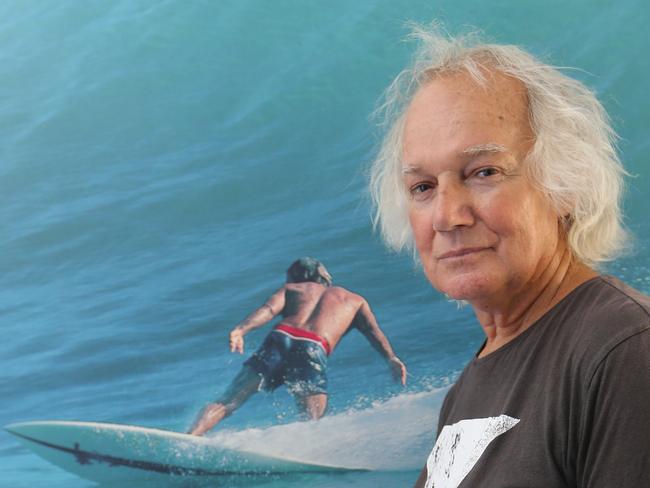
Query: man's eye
[[420, 190], [485, 172]]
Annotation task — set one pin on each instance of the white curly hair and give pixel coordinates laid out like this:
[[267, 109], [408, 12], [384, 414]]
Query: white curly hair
[[573, 160]]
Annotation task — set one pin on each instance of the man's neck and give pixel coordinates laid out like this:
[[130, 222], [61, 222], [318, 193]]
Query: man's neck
[[502, 324]]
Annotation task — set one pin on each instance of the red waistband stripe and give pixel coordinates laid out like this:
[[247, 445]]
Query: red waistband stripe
[[302, 334]]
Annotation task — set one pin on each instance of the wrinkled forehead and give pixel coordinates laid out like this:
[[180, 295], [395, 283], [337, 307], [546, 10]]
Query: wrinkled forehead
[[449, 103], [496, 92]]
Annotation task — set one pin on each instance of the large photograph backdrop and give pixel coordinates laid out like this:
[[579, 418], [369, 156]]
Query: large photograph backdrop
[[162, 163]]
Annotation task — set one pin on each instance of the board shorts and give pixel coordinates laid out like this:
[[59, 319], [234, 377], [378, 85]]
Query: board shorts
[[294, 357]]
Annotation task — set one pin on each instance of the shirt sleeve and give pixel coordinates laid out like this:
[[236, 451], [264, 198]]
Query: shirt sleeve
[[615, 425]]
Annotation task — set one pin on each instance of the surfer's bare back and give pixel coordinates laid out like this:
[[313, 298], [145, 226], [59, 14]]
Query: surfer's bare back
[[315, 316]]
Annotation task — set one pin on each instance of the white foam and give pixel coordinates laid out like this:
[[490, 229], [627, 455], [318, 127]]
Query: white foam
[[395, 434]]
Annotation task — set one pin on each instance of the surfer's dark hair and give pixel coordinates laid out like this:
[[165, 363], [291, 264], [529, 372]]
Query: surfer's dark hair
[[309, 269]]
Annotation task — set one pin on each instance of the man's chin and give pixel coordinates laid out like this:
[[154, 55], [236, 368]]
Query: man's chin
[[467, 287]]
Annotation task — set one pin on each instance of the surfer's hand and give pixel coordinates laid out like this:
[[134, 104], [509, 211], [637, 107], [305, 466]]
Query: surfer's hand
[[237, 341], [398, 368]]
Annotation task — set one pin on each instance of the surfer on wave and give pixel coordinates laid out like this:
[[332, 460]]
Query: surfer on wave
[[315, 316]]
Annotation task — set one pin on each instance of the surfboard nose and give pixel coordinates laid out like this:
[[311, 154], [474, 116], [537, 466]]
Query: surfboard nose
[[35, 429], [15, 428]]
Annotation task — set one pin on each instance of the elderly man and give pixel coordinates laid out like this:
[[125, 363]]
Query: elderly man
[[315, 316], [502, 172]]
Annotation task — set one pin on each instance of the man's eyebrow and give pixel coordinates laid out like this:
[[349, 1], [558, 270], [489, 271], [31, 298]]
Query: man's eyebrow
[[480, 149], [408, 169], [471, 151]]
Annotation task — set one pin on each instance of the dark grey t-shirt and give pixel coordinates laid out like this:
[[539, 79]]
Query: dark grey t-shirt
[[564, 404]]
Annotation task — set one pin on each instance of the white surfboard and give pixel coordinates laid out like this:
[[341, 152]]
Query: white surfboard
[[111, 452]]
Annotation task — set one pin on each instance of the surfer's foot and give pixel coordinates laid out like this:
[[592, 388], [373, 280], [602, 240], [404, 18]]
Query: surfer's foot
[[209, 417]]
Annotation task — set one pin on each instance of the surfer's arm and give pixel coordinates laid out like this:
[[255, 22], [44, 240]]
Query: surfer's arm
[[262, 315], [367, 324]]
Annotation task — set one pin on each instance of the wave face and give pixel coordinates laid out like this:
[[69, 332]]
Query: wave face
[[161, 165]]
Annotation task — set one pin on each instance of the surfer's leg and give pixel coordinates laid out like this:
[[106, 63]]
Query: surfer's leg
[[245, 385], [306, 378], [313, 406]]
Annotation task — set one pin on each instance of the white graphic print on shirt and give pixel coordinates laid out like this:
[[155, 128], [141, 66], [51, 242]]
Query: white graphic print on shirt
[[459, 446]]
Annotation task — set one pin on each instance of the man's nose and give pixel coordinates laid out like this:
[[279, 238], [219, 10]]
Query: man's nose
[[452, 207]]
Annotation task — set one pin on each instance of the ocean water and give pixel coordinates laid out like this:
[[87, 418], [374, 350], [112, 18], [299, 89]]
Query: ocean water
[[161, 164]]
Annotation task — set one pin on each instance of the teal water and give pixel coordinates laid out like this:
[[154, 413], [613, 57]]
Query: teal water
[[163, 162]]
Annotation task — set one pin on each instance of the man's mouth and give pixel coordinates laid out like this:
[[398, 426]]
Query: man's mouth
[[461, 252]]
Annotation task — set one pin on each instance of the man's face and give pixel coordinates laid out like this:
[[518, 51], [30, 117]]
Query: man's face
[[482, 230]]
